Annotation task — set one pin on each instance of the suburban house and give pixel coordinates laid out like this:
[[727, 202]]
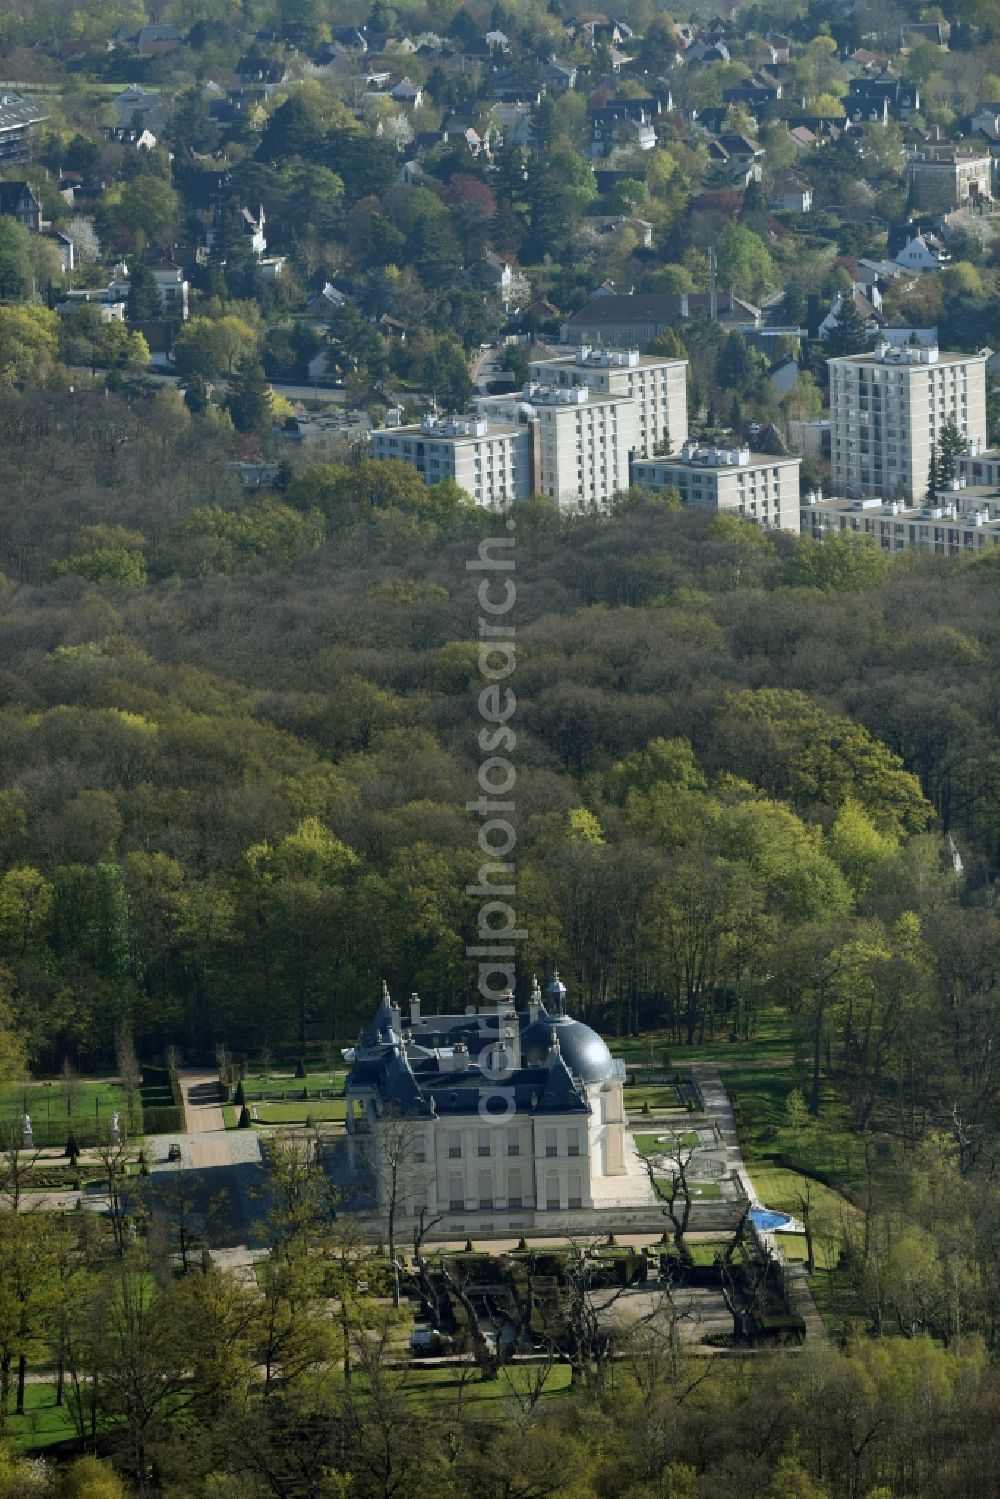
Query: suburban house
[[20, 201], [709, 52], [737, 154], [987, 118], [560, 77], [758, 94], [924, 253], [935, 32], [867, 302], [629, 322], [350, 37], [791, 195], [64, 247], [513, 122], [255, 67], [406, 92], [623, 122], [875, 98], [326, 301], [141, 108], [155, 41], [171, 284], [614, 224]]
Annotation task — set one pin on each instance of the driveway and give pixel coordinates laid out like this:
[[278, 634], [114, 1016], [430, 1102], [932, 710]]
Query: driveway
[[223, 1170]]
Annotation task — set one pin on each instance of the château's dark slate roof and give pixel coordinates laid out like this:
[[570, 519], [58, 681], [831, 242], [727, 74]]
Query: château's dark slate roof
[[435, 1065]]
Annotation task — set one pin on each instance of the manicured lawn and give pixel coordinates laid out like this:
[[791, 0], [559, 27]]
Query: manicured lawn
[[703, 1252], [773, 1035], [275, 1084], [657, 1095], [323, 1110], [826, 1146], [424, 1386], [780, 1188], [702, 1191], [230, 1115], [47, 1107], [656, 1144], [43, 1422]]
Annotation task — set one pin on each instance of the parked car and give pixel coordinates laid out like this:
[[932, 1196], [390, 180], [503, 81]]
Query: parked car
[[173, 1152]]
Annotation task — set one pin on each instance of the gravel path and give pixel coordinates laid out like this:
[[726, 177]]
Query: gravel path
[[717, 1103]]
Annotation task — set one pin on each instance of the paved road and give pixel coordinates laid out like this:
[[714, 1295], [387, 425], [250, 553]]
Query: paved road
[[222, 1168], [485, 367]]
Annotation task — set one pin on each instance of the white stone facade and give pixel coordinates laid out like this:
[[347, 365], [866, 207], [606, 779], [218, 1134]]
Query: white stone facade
[[438, 1135]]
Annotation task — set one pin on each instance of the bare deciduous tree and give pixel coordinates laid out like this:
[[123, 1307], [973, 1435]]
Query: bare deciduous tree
[[16, 1161], [116, 1157], [744, 1284], [674, 1188], [395, 1164], [69, 1088], [129, 1071]]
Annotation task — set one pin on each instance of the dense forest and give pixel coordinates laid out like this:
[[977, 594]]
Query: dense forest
[[292, 1387], [239, 733]]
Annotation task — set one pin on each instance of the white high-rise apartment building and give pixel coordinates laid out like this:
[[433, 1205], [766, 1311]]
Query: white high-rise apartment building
[[582, 439], [659, 386], [756, 486], [585, 440], [887, 409], [491, 461]]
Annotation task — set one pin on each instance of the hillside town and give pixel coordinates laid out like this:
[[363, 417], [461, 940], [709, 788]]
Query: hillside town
[[533, 256]]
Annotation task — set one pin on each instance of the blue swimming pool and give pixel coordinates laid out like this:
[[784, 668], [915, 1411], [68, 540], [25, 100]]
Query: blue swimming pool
[[767, 1220]]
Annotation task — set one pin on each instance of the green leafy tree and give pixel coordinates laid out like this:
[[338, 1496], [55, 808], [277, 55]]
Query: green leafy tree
[[105, 565], [29, 342], [213, 346], [950, 444], [841, 562], [249, 400], [744, 261], [784, 741], [668, 345], [143, 304], [147, 205], [296, 128], [15, 261], [848, 335], [445, 371]]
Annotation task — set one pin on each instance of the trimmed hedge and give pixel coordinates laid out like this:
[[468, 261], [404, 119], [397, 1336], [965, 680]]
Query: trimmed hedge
[[166, 1120]]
